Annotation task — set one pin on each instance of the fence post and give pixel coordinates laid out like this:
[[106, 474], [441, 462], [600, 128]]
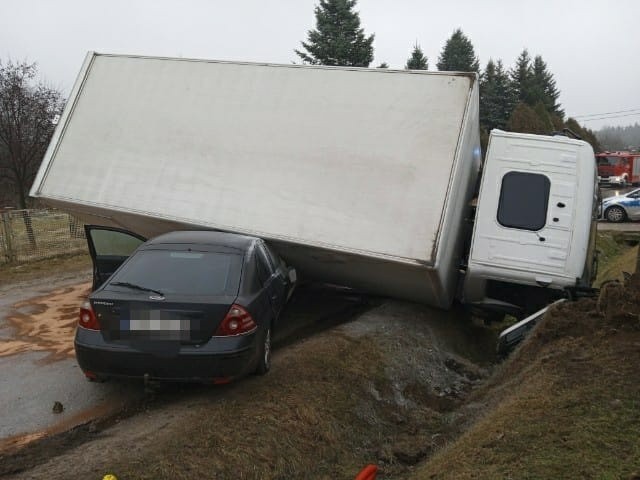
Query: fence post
[[6, 227]]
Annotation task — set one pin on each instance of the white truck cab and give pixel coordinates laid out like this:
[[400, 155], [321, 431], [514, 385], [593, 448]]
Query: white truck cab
[[535, 221]]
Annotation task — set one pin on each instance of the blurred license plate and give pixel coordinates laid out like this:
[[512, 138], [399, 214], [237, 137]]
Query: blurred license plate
[[159, 325], [154, 321]]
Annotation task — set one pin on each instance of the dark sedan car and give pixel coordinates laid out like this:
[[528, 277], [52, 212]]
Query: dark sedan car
[[189, 305]]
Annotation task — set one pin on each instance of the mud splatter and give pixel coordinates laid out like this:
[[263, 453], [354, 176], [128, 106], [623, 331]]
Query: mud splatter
[[45, 323]]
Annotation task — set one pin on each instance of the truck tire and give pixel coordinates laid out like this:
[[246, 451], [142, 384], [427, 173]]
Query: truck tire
[[615, 214], [264, 363]]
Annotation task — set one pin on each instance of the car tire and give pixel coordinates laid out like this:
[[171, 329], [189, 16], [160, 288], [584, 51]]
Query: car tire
[[264, 363], [615, 214]]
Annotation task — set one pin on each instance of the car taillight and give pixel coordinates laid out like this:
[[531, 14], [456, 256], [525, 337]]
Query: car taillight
[[88, 317], [237, 322]]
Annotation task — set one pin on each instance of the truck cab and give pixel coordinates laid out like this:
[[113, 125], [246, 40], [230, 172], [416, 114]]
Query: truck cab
[[535, 225]]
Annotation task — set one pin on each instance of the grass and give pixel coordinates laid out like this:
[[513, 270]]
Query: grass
[[615, 257], [574, 415], [311, 422], [38, 269]]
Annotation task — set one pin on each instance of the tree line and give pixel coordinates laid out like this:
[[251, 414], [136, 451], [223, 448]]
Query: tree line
[[521, 99], [620, 138]]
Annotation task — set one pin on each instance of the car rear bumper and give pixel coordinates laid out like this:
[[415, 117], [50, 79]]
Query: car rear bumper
[[221, 358]]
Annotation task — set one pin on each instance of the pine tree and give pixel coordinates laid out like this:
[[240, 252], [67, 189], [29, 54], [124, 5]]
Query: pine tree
[[496, 96], [544, 87], [522, 79], [458, 54], [338, 38], [417, 60]]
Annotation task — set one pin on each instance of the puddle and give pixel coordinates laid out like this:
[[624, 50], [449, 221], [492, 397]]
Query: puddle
[[46, 323]]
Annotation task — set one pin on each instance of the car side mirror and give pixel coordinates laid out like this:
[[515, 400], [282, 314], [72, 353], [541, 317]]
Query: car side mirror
[[293, 276]]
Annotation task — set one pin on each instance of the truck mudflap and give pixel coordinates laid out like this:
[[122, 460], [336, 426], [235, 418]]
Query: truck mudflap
[[513, 335]]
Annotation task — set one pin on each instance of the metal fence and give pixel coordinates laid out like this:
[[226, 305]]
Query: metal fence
[[27, 235]]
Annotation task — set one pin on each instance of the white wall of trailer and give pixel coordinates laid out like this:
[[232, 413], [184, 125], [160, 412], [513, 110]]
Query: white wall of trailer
[[326, 162]]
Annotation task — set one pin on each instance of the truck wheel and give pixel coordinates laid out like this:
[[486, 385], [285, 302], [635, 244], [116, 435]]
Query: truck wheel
[[615, 214], [264, 364]]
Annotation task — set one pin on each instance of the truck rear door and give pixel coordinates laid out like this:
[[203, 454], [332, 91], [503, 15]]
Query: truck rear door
[[109, 248]]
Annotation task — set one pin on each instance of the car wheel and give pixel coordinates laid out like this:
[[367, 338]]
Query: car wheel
[[615, 214], [264, 363]]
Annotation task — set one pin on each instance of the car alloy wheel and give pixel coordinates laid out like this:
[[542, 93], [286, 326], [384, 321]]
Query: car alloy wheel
[[615, 214], [264, 364]]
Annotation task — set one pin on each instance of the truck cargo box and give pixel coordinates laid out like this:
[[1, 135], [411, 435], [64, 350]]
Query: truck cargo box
[[359, 177]]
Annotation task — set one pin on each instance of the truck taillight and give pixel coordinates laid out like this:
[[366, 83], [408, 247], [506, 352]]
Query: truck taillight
[[236, 322], [88, 318]]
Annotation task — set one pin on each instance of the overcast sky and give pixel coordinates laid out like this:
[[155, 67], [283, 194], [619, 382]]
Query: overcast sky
[[591, 46]]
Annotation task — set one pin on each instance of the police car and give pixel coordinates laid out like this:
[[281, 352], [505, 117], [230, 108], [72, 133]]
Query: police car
[[622, 207]]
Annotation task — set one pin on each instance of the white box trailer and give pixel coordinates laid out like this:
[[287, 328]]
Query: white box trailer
[[360, 177]]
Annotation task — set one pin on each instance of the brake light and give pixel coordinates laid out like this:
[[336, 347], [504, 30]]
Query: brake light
[[236, 322], [88, 318]]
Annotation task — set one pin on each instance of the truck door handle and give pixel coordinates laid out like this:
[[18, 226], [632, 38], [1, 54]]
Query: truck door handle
[[561, 205]]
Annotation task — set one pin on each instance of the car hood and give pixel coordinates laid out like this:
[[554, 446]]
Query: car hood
[[614, 200]]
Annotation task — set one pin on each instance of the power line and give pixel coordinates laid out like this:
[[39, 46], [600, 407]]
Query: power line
[[606, 113], [606, 118]]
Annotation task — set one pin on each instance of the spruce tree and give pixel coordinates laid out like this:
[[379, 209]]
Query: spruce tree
[[496, 96], [338, 38], [458, 54], [544, 87], [417, 60], [522, 79]]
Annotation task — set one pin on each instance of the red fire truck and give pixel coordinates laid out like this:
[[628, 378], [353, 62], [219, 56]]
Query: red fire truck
[[618, 168]]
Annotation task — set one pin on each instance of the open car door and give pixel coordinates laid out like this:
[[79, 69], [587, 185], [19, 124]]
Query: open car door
[[109, 248]]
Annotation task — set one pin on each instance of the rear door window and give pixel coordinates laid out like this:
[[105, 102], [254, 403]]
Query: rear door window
[[524, 199]]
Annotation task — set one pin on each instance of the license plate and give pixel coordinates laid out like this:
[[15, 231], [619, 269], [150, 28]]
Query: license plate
[[154, 321]]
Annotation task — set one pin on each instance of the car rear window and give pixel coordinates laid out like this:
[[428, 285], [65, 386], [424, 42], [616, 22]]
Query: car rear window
[[183, 272]]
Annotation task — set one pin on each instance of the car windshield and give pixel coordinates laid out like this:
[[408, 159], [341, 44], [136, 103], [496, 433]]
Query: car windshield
[[181, 272]]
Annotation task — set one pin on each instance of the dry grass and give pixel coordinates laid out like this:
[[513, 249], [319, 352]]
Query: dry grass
[[39, 269], [314, 418], [565, 405]]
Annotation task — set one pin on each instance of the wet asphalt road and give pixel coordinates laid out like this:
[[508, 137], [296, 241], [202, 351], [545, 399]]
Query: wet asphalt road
[[32, 381]]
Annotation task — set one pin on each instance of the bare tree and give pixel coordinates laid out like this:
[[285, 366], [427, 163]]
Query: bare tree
[[27, 111]]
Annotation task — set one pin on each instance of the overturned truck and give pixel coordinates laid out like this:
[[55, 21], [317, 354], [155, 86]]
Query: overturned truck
[[360, 177]]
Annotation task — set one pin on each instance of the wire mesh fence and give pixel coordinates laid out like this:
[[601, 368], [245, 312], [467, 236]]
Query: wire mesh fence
[[27, 235]]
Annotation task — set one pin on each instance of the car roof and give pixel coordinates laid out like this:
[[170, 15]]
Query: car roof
[[204, 237]]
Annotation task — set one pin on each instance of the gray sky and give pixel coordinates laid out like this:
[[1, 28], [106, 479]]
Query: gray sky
[[591, 46]]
